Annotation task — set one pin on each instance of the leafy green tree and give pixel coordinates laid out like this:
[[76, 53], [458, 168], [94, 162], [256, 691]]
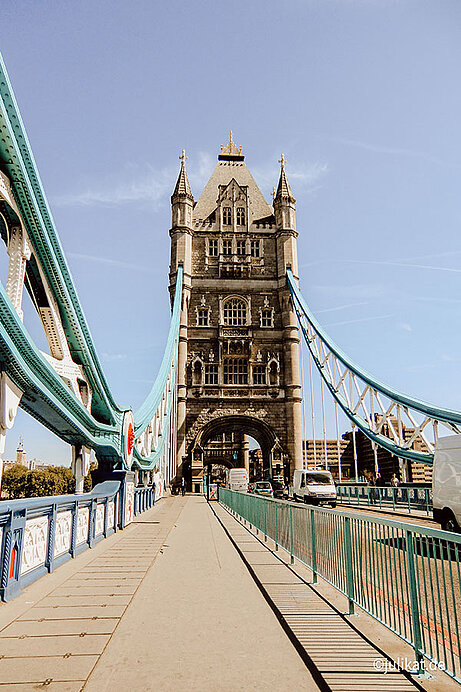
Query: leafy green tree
[[53, 480], [14, 481], [88, 482]]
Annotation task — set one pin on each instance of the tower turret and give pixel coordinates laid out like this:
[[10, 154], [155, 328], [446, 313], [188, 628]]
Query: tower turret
[[182, 200], [284, 202], [285, 223], [182, 204]]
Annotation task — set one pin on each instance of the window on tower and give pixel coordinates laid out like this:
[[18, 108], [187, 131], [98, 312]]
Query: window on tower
[[255, 248], [241, 247], [227, 246], [235, 312], [211, 373], [240, 216], [259, 374], [213, 247], [203, 317], [267, 317], [235, 370], [227, 216]]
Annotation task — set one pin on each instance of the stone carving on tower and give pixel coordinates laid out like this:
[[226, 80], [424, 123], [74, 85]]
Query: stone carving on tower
[[238, 366]]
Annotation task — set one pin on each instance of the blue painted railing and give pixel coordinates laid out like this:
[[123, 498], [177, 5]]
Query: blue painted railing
[[402, 498], [39, 534], [144, 498]]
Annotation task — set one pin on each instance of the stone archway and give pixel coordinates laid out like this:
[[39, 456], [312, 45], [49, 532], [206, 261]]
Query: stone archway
[[239, 426]]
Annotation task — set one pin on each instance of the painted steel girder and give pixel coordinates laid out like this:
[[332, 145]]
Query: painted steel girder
[[447, 416], [17, 160], [45, 396]]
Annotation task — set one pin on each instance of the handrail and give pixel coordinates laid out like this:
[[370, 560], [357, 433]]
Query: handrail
[[392, 570]]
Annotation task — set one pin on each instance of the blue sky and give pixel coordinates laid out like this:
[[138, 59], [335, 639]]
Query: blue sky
[[363, 98]]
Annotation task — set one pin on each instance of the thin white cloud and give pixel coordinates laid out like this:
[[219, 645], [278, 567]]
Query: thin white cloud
[[107, 260], [407, 265], [144, 184], [362, 319], [342, 307], [306, 176], [396, 151], [113, 357], [199, 171], [136, 184], [405, 326]]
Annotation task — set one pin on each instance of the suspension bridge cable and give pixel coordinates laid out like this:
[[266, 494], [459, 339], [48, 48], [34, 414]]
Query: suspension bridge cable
[[312, 411], [354, 442], [324, 425], [338, 443], [303, 389]]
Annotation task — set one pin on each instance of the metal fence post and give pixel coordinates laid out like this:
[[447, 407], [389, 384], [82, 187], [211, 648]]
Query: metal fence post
[[349, 564], [292, 558], [265, 522], [415, 616], [314, 548], [49, 560], [276, 529]]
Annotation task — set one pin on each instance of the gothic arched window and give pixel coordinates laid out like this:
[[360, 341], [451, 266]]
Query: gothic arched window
[[240, 216], [235, 312]]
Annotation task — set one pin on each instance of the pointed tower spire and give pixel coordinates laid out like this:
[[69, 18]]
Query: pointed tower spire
[[285, 223], [284, 191], [182, 184]]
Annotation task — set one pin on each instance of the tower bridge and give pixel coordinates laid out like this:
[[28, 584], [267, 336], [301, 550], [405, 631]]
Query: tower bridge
[[239, 341], [231, 372]]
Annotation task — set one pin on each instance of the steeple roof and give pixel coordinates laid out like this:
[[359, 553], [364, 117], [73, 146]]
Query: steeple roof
[[231, 166], [182, 184], [284, 190]]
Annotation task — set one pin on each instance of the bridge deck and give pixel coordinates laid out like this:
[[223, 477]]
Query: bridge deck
[[168, 604]]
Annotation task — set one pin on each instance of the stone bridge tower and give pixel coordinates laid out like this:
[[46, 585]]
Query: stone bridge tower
[[238, 372]]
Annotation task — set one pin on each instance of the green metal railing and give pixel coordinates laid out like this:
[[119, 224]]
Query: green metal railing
[[402, 498], [406, 576]]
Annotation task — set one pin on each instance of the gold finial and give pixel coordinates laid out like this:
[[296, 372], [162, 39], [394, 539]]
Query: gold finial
[[183, 157], [231, 149], [282, 161]]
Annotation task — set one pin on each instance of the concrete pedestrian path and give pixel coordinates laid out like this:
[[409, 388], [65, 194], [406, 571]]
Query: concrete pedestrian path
[[166, 604], [175, 602]]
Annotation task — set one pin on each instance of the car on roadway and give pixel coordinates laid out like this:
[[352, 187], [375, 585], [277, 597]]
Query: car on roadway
[[279, 490], [263, 488]]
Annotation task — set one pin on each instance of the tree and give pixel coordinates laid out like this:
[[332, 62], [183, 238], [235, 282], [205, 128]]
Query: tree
[[88, 482], [14, 480], [53, 480]]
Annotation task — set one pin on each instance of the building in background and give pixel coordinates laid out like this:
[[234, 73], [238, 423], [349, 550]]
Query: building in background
[[330, 455]]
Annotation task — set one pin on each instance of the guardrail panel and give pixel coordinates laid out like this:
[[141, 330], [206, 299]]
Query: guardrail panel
[[406, 576]]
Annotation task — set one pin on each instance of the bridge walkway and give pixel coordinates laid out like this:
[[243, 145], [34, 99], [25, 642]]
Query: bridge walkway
[[169, 604]]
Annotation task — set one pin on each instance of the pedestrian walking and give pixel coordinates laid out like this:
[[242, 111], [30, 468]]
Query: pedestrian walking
[[372, 483], [394, 481], [183, 486]]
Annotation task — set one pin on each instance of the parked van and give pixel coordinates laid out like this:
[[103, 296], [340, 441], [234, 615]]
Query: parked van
[[237, 479], [314, 487], [446, 483]]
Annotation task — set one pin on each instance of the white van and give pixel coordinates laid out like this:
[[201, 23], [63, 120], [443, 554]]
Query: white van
[[446, 483], [237, 479], [314, 487]]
